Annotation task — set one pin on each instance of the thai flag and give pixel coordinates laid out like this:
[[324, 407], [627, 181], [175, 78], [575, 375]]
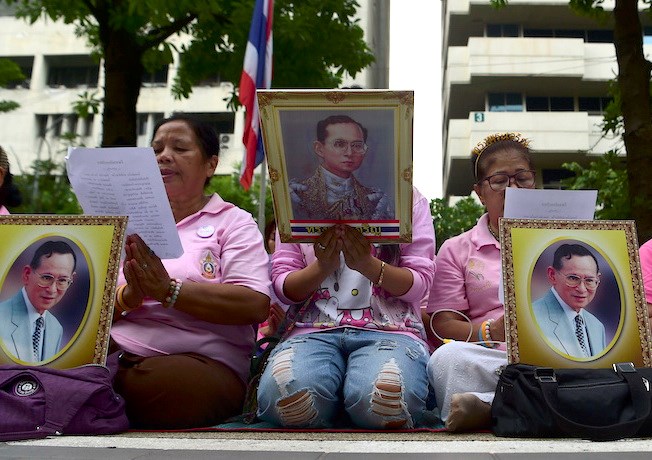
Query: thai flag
[[256, 73]]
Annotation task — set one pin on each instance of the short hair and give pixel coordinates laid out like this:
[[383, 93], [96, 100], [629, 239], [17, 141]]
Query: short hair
[[566, 251], [270, 228], [335, 120], [49, 248], [206, 135]]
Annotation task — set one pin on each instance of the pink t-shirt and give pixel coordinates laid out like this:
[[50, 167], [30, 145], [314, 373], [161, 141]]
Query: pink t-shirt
[[468, 275], [222, 244], [348, 299], [3, 211], [645, 254]]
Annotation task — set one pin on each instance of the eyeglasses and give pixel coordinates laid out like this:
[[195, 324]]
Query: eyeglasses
[[499, 182], [47, 280], [357, 147], [574, 281]]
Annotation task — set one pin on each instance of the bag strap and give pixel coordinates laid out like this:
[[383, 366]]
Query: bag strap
[[639, 394]]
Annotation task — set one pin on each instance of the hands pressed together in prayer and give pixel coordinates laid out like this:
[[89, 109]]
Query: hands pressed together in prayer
[[145, 274], [350, 242]]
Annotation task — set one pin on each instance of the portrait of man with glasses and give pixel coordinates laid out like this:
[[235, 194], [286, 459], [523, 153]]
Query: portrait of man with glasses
[[563, 312], [333, 192], [29, 331]]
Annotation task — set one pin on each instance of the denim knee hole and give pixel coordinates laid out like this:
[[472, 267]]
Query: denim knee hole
[[297, 409], [387, 398], [386, 344]]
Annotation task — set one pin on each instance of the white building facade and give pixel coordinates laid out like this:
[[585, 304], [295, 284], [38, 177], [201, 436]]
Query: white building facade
[[59, 68], [533, 67]]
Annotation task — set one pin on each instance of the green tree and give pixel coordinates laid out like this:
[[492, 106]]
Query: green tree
[[633, 82], [315, 42], [9, 72], [47, 190], [453, 220], [229, 188], [608, 175]]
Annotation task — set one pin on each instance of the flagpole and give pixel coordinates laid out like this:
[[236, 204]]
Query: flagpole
[[262, 196]]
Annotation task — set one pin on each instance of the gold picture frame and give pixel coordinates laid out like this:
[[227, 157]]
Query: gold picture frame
[[537, 330], [83, 309], [382, 190]]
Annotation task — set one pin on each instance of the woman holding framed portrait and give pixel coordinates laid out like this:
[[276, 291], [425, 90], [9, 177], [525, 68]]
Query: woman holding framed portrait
[[464, 303]]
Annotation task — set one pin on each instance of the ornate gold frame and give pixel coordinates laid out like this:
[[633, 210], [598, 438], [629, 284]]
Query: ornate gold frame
[[398, 106], [98, 243], [523, 243]]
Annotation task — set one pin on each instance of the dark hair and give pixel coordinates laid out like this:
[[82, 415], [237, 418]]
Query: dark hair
[[566, 251], [206, 135], [334, 120], [49, 248], [483, 157], [269, 229], [9, 194]]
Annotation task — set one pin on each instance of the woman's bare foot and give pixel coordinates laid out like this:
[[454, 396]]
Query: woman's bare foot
[[468, 412]]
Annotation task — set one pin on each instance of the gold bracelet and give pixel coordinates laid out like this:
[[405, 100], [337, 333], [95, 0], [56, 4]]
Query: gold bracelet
[[121, 301], [382, 273]]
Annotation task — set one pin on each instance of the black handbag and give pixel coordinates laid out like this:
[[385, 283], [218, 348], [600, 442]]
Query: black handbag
[[595, 404]]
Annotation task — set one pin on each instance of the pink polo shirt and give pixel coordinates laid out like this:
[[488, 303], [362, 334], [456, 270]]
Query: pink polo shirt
[[468, 275], [645, 254], [222, 244], [3, 211]]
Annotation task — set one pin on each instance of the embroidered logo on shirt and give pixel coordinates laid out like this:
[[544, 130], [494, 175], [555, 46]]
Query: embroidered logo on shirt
[[207, 263]]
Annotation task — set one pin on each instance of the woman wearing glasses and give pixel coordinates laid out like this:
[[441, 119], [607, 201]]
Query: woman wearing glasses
[[464, 301], [332, 192]]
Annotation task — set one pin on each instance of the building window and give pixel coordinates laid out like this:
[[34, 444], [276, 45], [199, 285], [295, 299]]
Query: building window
[[88, 126], [549, 104], [72, 72], [502, 30], [600, 36], [571, 33], [538, 33], [505, 102], [158, 78], [144, 119], [25, 64], [552, 178], [562, 104], [647, 35], [593, 105]]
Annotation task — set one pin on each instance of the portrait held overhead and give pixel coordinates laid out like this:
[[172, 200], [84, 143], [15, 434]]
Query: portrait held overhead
[[339, 157]]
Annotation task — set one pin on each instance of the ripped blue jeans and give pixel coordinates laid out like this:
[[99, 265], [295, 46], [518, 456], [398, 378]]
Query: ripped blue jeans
[[378, 378]]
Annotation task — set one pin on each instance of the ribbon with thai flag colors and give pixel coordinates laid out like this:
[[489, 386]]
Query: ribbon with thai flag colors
[[256, 73]]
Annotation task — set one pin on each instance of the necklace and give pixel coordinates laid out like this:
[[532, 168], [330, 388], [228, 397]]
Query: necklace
[[491, 230]]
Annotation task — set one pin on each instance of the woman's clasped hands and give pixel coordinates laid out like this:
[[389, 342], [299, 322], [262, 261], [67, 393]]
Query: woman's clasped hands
[[145, 274]]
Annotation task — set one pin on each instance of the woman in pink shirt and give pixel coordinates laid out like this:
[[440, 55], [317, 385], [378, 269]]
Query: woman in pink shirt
[[187, 325], [360, 348], [463, 375], [9, 194]]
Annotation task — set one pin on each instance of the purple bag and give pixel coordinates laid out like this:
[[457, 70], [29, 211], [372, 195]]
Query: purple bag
[[36, 402]]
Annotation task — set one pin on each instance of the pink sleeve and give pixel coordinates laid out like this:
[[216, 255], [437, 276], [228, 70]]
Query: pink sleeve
[[448, 288], [419, 255], [287, 258], [645, 254]]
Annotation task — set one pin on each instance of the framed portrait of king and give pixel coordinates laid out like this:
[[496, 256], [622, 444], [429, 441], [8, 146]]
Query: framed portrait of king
[[339, 156], [57, 288], [573, 293]]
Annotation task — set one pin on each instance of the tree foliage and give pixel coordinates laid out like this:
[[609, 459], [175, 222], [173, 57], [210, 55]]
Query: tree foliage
[[47, 190], [633, 85], [453, 220], [315, 42], [608, 175], [9, 72]]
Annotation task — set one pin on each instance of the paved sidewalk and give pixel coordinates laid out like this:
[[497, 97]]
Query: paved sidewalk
[[251, 446]]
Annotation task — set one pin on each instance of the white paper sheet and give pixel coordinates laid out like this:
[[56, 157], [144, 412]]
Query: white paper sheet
[[125, 181], [523, 203]]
